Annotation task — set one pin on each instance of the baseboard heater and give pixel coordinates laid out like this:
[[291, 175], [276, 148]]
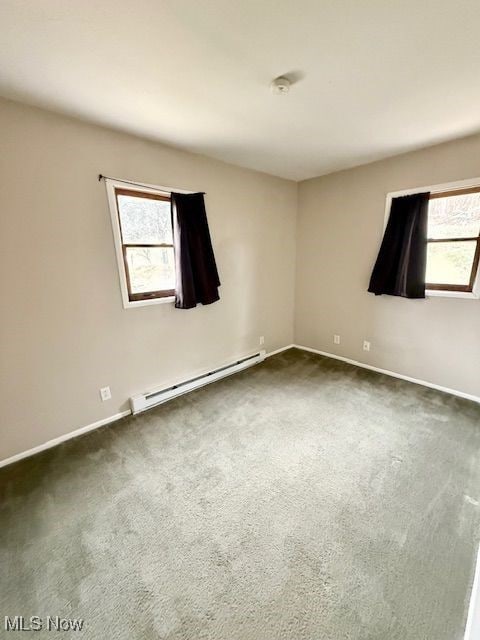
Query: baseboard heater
[[145, 401]]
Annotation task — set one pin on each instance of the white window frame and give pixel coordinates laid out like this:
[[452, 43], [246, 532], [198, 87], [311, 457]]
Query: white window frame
[[439, 188], [115, 183]]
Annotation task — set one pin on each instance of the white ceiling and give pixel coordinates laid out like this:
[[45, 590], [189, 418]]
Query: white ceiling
[[374, 77]]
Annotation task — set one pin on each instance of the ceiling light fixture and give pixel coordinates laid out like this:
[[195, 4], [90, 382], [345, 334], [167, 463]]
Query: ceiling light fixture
[[280, 85]]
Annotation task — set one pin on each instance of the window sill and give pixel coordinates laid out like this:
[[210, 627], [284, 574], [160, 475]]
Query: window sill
[[435, 293], [146, 303]]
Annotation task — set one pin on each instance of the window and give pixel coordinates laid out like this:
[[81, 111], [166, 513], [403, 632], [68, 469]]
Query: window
[[453, 250], [142, 226]]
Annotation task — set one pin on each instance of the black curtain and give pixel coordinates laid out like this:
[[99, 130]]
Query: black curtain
[[197, 278], [402, 259]]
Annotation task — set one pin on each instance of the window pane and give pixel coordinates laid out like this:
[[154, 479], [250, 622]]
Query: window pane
[[450, 262], [454, 216], [145, 221], [150, 268]]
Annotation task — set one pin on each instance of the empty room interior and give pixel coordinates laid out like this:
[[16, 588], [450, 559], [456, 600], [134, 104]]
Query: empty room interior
[[240, 324]]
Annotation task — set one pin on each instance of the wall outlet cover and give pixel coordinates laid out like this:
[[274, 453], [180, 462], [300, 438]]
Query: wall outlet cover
[[105, 393]]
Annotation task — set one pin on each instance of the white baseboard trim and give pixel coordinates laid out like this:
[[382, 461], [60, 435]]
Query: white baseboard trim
[[89, 427], [393, 374], [66, 436], [122, 414], [472, 630], [274, 353]]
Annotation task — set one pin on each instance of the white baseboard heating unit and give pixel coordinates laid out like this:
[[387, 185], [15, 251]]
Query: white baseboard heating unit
[[145, 401]]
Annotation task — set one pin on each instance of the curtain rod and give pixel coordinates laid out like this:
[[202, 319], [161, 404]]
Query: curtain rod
[[148, 186]]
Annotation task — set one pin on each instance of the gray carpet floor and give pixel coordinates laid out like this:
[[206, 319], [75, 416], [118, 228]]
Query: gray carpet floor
[[303, 499]]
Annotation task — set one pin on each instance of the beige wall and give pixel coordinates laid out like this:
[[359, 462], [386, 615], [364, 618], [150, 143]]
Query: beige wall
[[64, 332], [340, 226]]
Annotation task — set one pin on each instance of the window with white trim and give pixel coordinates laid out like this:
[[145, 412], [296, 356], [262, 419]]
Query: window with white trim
[[142, 229], [453, 251]]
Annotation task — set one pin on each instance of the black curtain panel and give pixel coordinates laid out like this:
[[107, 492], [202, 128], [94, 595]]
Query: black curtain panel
[[402, 259], [197, 278]]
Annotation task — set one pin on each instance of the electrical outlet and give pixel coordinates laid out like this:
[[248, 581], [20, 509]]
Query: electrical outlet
[[366, 345], [262, 340], [336, 339], [105, 393]]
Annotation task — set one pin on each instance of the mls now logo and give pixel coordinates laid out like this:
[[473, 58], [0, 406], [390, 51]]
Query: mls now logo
[[36, 623]]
